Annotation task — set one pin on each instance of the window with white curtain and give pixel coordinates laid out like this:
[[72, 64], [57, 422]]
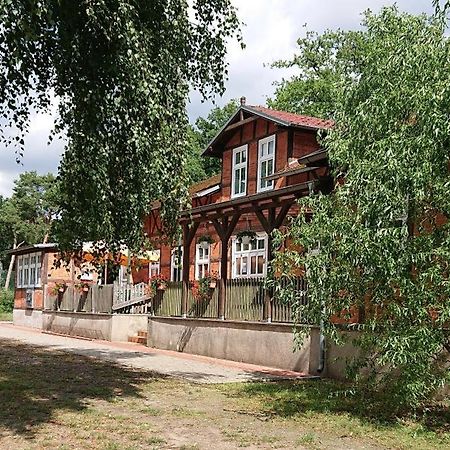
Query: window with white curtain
[[154, 267], [250, 260], [201, 261], [176, 264]]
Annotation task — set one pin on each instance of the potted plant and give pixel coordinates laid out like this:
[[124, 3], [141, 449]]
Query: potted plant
[[213, 280], [58, 289], [245, 237], [82, 287], [205, 241], [158, 283]]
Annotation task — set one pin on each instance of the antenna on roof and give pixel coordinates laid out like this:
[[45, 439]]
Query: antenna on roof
[[243, 101]]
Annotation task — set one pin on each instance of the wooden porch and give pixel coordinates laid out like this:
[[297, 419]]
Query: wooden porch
[[271, 209]]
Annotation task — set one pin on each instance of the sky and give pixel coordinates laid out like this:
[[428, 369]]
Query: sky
[[271, 29]]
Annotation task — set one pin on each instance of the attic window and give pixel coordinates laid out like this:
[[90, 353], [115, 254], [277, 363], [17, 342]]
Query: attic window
[[266, 163], [239, 181]]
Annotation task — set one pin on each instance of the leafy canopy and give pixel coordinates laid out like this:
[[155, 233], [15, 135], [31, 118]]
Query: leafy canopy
[[121, 71], [27, 216], [384, 235], [323, 61], [200, 135]]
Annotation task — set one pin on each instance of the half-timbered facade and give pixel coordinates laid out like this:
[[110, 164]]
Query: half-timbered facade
[[269, 159]]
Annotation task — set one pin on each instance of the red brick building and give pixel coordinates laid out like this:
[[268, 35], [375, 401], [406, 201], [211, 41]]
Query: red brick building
[[269, 159]]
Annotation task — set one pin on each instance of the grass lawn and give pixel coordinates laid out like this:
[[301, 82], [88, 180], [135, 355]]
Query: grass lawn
[[6, 316], [55, 400]]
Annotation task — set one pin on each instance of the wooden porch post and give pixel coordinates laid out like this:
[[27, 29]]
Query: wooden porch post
[[270, 223], [188, 236], [224, 230], [223, 279]]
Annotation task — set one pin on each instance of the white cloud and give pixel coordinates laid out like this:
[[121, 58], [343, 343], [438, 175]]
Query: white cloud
[[272, 28]]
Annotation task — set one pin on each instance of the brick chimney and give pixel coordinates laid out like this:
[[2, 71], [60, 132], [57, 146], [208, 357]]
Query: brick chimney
[[243, 101]]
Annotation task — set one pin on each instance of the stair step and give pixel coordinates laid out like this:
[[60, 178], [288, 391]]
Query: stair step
[[143, 334], [138, 339]]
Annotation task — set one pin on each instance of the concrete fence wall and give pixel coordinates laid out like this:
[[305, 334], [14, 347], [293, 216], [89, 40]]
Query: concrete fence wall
[[108, 327], [259, 343], [31, 318]]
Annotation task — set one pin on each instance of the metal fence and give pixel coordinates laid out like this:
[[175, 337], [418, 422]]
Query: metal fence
[[98, 299]]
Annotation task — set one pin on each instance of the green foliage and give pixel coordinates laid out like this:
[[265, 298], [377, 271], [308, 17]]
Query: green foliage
[[383, 248], [30, 211], [122, 71], [199, 136], [27, 216], [323, 62], [6, 300]]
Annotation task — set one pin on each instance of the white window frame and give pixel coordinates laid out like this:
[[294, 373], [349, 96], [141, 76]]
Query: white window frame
[[202, 262], [154, 267], [235, 167], [176, 267], [33, 266], [265, 158], [249, 253]]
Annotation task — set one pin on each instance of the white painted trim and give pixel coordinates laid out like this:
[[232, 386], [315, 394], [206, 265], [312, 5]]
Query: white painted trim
[[208, 191], [233, 257], [241, 165], [261, 160]]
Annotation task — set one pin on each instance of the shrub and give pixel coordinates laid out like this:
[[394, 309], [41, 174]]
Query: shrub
[[6, 300]]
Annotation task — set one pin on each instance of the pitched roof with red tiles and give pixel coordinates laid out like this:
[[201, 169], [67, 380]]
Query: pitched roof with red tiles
[[292, 119]]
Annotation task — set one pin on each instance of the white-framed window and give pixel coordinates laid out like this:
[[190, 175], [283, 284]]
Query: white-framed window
[[154, 267], [250, 260], [266, 163], [176, 264], [239, 171], [202, 256], [29, 270]]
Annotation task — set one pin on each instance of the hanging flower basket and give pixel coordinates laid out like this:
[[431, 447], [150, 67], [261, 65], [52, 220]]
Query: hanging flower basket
[[157, 283], [82, 287], [205, 241], [58, 289], [246, 237], [161, 286]]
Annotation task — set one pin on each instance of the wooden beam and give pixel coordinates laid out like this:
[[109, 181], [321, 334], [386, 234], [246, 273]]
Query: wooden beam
[[282, 214], [240, 123], [263, 221], [224, 228], [189, 231]]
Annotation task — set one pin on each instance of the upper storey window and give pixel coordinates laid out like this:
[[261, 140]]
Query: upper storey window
[[266, 163], [239, 181]]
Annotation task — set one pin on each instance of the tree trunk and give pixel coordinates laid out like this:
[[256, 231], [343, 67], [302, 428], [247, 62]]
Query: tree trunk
[[11, 265]]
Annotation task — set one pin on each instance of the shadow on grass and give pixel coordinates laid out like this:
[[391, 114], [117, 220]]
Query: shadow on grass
[[36, 383], [296, 398]]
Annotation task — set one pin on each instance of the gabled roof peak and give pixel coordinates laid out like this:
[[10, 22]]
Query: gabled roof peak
[[283, 118]]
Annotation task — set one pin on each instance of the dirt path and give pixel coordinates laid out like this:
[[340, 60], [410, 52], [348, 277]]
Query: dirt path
[[189, 367], [54, 399]]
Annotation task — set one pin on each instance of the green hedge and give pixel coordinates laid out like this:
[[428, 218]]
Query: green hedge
[[6, 300]]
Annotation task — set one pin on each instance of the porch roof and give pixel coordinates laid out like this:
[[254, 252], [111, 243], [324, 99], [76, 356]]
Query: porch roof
[[250, 203], [33, 248]]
